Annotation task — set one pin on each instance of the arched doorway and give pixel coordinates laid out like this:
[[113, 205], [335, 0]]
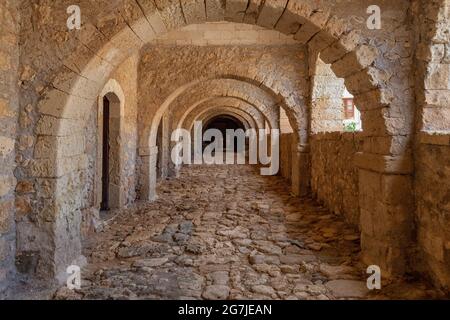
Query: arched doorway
[[108, 153]]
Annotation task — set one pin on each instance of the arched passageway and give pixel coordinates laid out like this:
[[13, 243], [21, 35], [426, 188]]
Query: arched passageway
[[223, 123], [87, 117]]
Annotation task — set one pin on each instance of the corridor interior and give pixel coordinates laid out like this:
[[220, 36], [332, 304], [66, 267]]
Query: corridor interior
[[92, 117]]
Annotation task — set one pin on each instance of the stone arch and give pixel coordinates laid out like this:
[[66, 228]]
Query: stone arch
[[209, 118], [327, 92], [221, 89], [207, 113], [116, 97], [148, 149], [179, 118], [258, 116], [65, 108], [149, 135], [241, 116]]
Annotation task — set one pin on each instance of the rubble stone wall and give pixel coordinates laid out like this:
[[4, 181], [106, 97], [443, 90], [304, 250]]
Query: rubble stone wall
[[432, 189], [334, 177], [432, 145]]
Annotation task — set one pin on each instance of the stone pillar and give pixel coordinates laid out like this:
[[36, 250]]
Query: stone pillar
[[149, 158], [300, 170], [172, 169], [166, 148], [387, 210]]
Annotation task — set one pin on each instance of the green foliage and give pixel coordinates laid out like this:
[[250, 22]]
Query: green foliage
[[350, 127]]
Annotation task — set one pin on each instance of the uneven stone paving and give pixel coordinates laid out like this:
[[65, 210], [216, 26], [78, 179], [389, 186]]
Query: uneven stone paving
[[225, 232]]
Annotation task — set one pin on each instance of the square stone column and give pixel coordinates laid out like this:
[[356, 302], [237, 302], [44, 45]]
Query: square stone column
[[149, 158], [172, 169], [386, 202], [300, 170], [164, 154]]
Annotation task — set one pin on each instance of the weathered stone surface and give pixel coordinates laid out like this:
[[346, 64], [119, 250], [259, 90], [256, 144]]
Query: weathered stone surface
[[347, 288], [342, 194], [216, 292], [156, 262], [336, 272]]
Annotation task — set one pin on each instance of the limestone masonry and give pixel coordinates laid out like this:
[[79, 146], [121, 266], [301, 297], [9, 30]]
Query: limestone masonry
[[86, 170]]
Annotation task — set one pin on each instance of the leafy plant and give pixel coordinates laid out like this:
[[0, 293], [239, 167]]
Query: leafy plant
[[350, 127]]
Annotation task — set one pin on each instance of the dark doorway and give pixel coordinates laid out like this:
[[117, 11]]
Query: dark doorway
[[159, 168], [222, 123], [105, 155]]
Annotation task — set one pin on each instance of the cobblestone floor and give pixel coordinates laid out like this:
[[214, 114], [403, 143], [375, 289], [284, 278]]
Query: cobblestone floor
[[225, 232]]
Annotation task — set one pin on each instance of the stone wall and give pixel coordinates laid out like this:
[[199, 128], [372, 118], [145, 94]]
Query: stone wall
[[127, 76], [123, 148], [433, 61], [9, 106], [432, 147], [327, 112], [334, 177], [432, 190]]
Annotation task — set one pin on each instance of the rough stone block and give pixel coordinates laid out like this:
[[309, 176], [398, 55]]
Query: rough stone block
[[437, 98], [215, 10], [252, 12], [68, 146], [434, 138], [194, 11], [7, 184], [347, 43], [6, 216], [57, 167], [48, 125], [388, 256], [6, 146], [171, 13], [364, 80], [306, 32], [436, 119], [384, 164], [61, 104], [235, 10], [270, 12], [438, 76], [355, 61]]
